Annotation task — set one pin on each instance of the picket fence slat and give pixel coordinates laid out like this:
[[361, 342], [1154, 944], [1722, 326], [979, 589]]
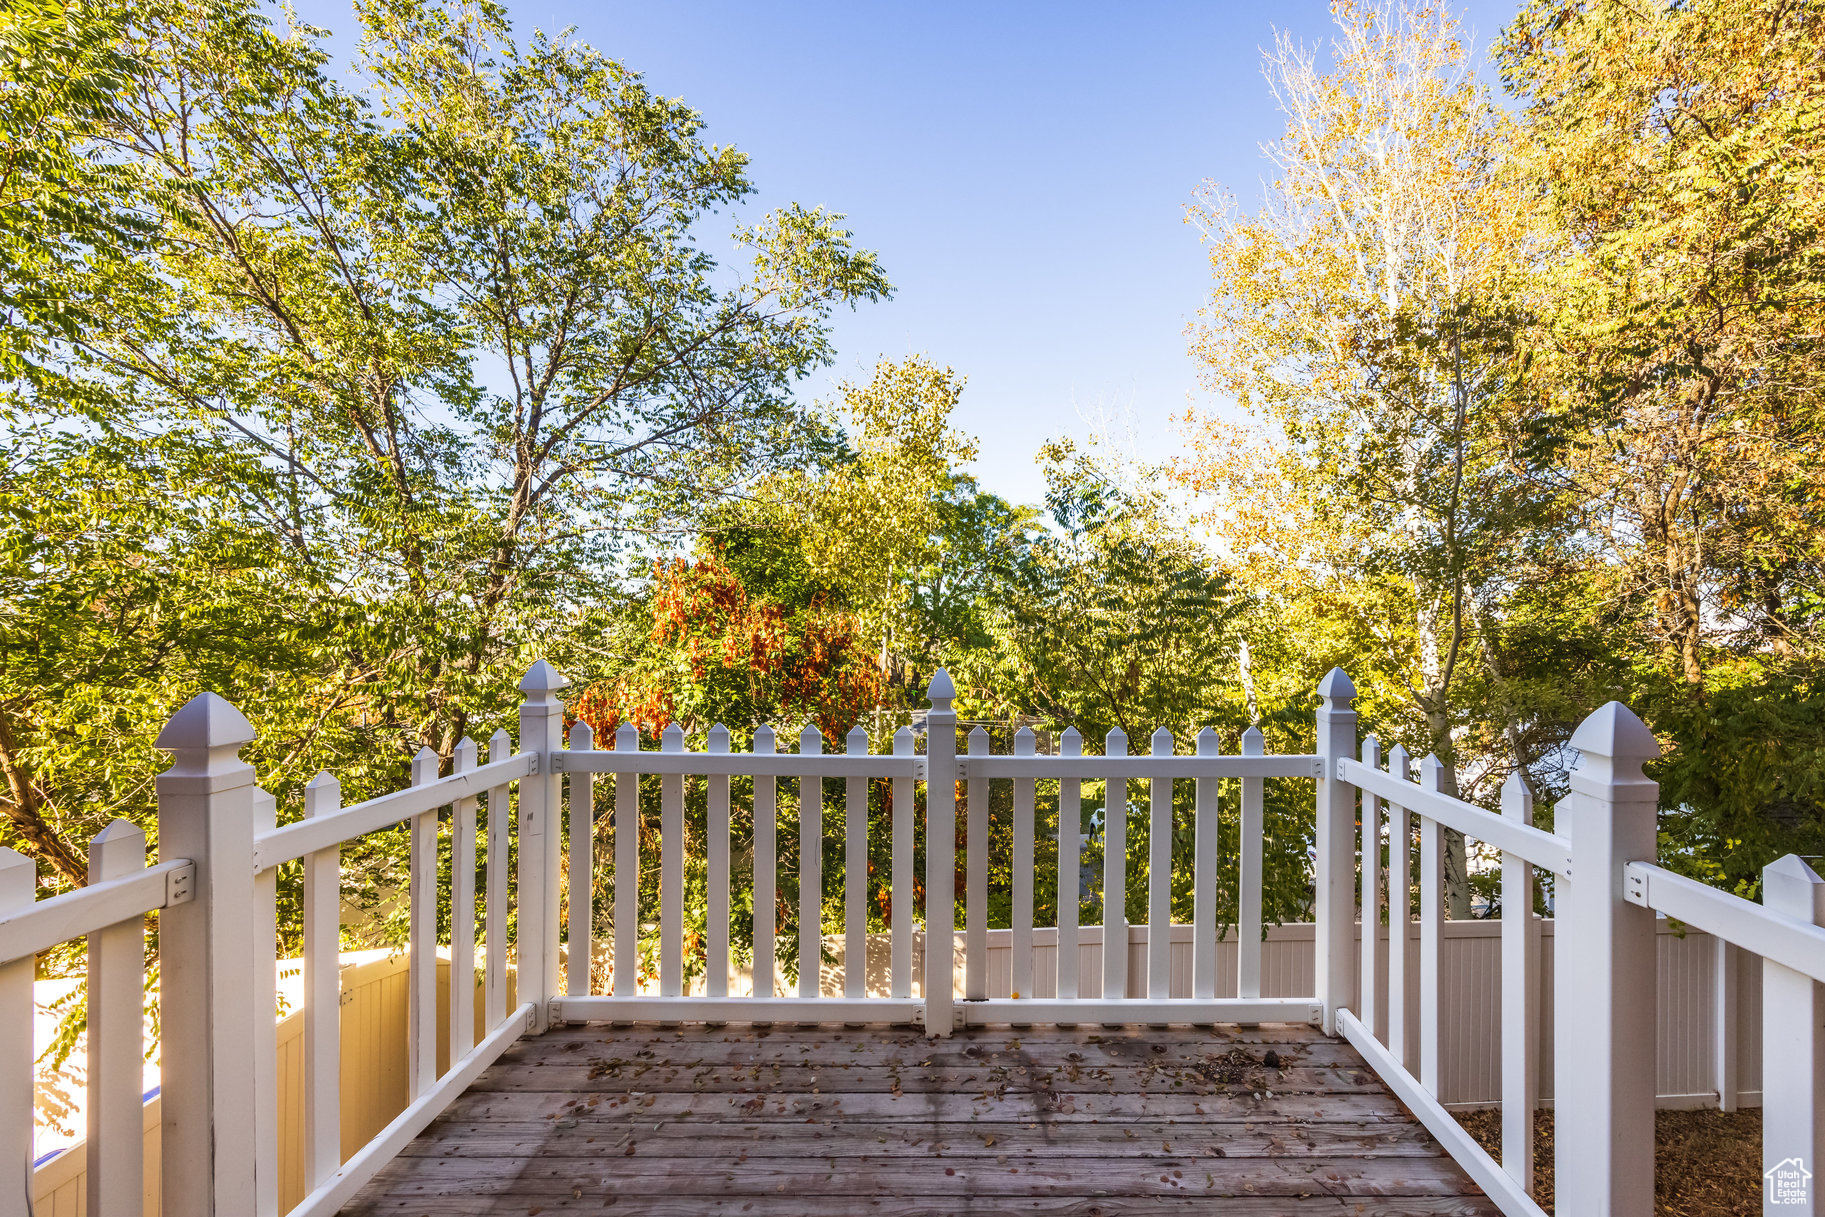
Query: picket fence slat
[[976, 878], [323, 992], [1115, 874], [766, 868], [266, 1022], [1400, 910], [1070, 850], [1520, 997], [1021, 917], [421, 895], [581, 800], [462, 905], [627, 868], [716, 949], [1205, 844], [117, 969], [1159, 875], [1370, 855], [903, 850], [1431, 928], [810, 868], [855, 873], [671, 870], [1248, 880], [500, 821]]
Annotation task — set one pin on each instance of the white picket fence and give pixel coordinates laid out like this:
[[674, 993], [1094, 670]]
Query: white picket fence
[[214, 892]]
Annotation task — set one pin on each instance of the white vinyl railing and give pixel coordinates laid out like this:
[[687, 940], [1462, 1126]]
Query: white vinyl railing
[[111, 913], [215, 895], [218, 996], [857, 766]]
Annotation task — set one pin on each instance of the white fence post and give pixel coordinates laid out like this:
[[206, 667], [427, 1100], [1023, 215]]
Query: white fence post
[[1605, 1009], [940, 853], [18, 891], [1793, 1051], [541, 731], [206, 970], [1335, 911]]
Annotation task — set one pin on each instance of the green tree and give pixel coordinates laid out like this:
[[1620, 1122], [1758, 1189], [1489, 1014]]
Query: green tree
[[396, 370], [1364, 317], [1674, 154]]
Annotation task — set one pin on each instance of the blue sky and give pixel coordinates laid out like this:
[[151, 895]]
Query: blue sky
[[1023, 170]]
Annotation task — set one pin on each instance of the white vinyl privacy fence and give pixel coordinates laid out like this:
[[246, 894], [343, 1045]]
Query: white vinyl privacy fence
[[1377, 830]]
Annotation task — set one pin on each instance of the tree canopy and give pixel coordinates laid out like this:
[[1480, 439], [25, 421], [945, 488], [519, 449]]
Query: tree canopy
[[347, 394]]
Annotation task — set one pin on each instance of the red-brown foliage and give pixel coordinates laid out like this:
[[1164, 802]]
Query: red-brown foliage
[[718, 653]]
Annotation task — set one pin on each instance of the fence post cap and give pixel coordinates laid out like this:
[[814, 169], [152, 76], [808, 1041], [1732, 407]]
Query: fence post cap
[[118, 829], [1336, 689], [1792, 887], [1614, 733], [18, 879], [205, 721], [541, 677], [1253, 741], [941, 690], [1517, 799]]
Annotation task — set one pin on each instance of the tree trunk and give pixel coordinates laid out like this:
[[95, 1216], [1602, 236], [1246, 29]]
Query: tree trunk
[[22, 805], [1457, 856]]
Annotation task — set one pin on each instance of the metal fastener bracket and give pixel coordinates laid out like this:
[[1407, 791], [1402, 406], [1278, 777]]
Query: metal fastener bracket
[[180, 887], [1635, 885]]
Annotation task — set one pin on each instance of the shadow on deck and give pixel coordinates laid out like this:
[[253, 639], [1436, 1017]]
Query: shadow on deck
[[680, 1122]]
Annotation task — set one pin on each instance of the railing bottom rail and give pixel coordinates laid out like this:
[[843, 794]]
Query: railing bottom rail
[[820, 1010]]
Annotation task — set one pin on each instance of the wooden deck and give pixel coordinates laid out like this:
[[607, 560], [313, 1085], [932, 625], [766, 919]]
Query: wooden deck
[[682, 1122]]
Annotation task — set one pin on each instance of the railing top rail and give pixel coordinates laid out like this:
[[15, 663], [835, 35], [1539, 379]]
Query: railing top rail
[[740, 764], [1541, 848], [1154, 766], [1743, 923], [39, 927], [878, 765], [357, 819]]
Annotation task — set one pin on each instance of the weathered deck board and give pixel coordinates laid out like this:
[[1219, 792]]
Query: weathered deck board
[[1050, 1122]]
